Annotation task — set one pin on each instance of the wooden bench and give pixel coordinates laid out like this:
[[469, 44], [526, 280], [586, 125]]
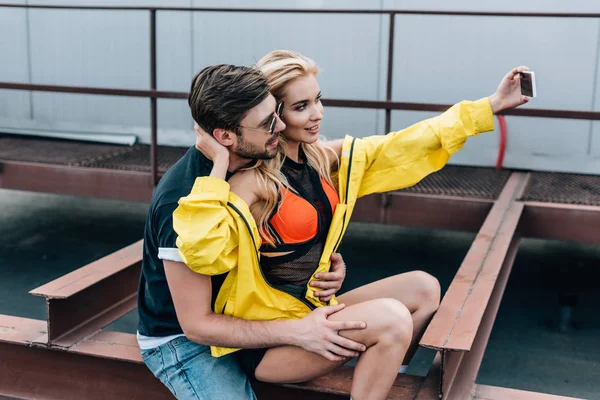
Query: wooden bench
[[79, 305], [461, 327], [69, 356], [82, 302], [108, 365]]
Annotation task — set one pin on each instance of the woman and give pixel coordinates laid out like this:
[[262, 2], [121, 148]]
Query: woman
[[302, 202]]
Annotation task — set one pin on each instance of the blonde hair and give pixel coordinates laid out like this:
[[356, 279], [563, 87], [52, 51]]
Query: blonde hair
[[282, 67], [271, 182]]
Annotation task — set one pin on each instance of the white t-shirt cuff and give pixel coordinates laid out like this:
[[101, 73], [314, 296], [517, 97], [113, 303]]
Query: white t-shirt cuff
[[169, 254]]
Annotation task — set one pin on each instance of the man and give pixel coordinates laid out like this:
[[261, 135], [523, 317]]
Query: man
[[234, 104]]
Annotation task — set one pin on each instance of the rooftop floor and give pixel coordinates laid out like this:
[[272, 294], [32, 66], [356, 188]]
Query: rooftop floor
[[46, 236]]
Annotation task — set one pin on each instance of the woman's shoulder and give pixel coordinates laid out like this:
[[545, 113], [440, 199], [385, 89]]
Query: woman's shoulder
[[333, 151], [333, 145], [244, 184]]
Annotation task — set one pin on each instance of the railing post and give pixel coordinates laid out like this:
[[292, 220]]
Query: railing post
[[153, 100], [390, 72]]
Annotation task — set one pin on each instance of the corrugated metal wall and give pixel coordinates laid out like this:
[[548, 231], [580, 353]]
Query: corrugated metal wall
[[438, 59]]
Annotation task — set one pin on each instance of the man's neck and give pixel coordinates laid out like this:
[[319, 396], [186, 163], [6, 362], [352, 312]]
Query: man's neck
[[236, 162]]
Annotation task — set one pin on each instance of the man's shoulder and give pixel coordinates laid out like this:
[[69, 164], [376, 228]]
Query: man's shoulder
[[179, 179]]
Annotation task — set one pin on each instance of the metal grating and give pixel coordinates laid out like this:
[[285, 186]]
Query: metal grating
[[452, 180], [486, 183], [138, 159], [85, 154], [551, 187], [53, 151]]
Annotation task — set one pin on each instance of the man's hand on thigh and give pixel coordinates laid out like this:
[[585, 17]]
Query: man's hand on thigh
[[317, 334]]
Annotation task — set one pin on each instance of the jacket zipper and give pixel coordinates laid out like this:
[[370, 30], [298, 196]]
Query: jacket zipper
[[347, 190], [304, 301]]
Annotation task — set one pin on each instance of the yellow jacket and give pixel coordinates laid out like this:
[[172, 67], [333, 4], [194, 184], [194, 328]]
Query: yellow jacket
[[217, 233]]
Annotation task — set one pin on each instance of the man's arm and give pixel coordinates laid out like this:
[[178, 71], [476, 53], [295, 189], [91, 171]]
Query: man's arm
[[191, 294]]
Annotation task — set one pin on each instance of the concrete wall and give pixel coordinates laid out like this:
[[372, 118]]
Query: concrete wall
[[437, 59]]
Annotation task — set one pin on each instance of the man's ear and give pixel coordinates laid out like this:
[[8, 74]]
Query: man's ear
[[224, 137], [221, 135]]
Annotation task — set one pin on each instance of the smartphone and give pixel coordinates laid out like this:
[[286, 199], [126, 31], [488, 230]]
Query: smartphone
[[528, 83]]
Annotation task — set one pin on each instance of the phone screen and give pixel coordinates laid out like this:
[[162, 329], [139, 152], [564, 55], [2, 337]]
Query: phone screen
[[526, 85]]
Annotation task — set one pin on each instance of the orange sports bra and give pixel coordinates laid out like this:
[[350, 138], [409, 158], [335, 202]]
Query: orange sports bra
[[297, 220]]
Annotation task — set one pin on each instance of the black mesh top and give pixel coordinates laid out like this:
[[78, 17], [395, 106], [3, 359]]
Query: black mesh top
[[297, 267]]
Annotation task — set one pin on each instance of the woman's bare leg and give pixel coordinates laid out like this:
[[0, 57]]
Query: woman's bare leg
[[417, 290], [387, 337]]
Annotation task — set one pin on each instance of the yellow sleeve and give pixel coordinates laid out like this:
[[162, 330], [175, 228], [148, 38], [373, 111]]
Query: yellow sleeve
[[207, 232], [401, 159]]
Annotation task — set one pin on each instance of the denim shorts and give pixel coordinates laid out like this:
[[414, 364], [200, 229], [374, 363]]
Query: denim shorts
[[191, 373]]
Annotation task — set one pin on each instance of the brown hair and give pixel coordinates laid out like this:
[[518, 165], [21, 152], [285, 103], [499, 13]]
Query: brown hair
[[221, 95]]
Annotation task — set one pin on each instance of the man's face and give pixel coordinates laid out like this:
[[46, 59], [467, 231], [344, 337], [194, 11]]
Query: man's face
[[256, 142]]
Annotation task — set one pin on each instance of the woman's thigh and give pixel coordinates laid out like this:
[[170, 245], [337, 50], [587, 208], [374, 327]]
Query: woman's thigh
[[289, 364], [410, 288]]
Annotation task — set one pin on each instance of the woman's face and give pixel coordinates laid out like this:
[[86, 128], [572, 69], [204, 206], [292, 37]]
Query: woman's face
[[303, 111]]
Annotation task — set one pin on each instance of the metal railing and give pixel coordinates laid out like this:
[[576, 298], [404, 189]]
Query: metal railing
[[388, 105]]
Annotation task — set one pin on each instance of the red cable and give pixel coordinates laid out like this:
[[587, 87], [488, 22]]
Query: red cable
[[502, 148]]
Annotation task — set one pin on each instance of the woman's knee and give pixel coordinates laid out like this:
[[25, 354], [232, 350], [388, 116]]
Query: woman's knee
[[428, 289], [397, 324]]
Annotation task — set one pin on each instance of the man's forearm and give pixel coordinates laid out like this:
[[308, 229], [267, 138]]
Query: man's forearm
[[227, 331]]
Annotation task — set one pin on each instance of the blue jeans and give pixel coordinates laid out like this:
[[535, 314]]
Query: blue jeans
[[191, 373]]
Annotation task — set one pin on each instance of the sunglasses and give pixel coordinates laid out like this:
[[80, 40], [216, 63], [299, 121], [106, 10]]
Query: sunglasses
[[273, 123]]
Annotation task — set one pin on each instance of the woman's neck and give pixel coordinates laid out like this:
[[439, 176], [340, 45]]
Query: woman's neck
[[292, 151]]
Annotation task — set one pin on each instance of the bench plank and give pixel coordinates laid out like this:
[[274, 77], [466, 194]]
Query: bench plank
[[456, 322], [20, 330], [483, 392], [336, 385], [84, 277], [114, 345], [84, 301]]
